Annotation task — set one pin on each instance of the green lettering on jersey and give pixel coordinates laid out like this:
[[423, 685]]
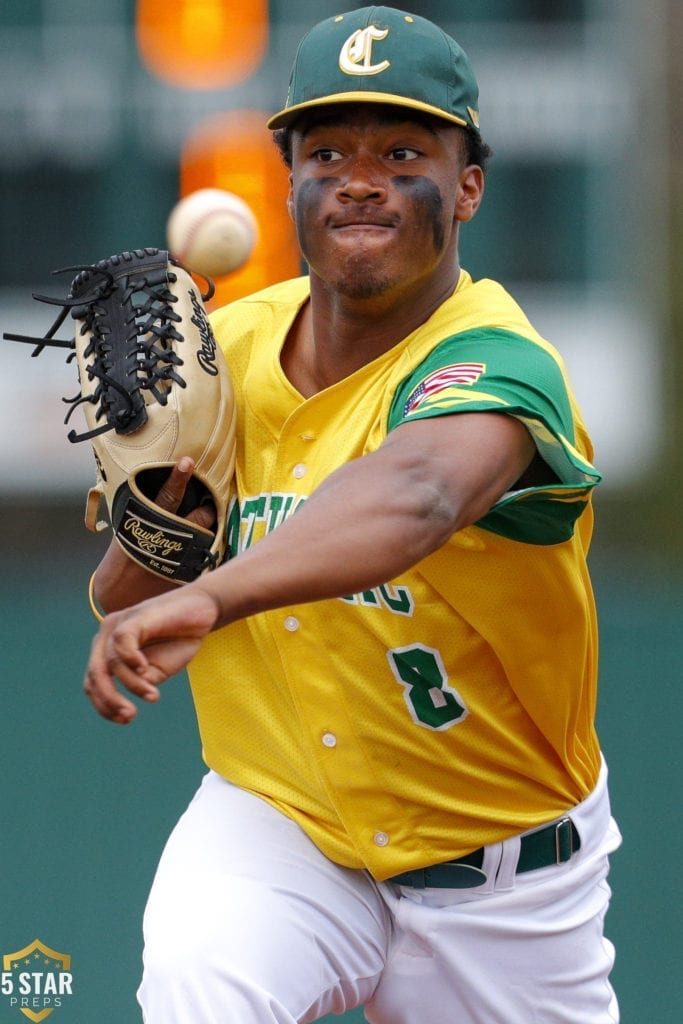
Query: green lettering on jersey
[[398, 600], [265, 510], [430, 700], [253, 509]]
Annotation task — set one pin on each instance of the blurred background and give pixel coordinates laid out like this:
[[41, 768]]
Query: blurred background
[[110, 111]]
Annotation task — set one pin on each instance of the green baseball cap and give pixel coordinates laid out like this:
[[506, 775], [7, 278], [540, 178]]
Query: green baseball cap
[[381, 55]]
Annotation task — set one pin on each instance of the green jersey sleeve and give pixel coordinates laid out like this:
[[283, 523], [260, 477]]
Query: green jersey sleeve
[[495, 370]]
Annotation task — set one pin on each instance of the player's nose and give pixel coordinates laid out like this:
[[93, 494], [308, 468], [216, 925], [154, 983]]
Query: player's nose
[[363, 181]]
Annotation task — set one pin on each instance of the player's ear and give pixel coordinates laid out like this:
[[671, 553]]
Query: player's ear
[[290, 200], [469, 193]]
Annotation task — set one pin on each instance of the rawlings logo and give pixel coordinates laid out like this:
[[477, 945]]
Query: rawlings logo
[[154, 543], [206, 354], [355, 56]]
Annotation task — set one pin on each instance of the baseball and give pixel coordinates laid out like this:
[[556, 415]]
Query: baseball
[[211, 231]]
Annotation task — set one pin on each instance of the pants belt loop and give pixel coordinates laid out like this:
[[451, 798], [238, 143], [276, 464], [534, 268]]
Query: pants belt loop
[[506, 875], [564, 841]]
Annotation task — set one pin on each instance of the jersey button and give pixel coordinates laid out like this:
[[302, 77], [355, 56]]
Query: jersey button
[[380, 839], [329, 739], [299, 470], [291, 623]]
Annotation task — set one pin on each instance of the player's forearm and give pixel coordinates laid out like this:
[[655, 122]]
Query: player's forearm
[[340, 542], [377, 516], [120, 582], [357, 531]]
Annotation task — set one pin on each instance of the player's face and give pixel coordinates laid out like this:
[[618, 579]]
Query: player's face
[[376, 196]]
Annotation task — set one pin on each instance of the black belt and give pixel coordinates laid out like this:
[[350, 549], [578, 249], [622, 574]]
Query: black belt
[[553, 844]]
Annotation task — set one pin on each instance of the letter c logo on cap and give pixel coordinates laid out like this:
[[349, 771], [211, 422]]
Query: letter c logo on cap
[[355, 56]]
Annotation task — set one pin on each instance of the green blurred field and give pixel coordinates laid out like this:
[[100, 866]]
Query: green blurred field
[[86, 806]]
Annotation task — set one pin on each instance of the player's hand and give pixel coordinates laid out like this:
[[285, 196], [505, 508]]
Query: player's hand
[[144, 645], [120, 581], [172, 493]]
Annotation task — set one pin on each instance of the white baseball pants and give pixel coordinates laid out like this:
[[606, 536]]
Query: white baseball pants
[[248, 923]]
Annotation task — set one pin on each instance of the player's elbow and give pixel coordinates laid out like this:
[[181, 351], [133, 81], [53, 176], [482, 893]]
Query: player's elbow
[[433, 509]]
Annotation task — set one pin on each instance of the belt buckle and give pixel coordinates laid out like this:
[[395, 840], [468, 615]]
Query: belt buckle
[[564, 841]]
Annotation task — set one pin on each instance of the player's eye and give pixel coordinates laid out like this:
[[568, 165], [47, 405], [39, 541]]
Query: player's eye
[[324, 155], [404, 153]]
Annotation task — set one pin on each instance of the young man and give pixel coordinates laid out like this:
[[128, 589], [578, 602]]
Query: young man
[[395, 672]]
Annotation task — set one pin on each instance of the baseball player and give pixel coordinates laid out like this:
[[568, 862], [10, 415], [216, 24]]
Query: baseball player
[[394, 673]]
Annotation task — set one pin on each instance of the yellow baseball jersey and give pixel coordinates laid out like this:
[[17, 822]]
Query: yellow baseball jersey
[[453, 706]]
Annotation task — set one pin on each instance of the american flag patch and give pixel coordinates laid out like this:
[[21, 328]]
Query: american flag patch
[[446, 377]]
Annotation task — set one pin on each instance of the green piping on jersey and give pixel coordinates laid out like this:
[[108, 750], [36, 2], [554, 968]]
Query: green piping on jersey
[[494, 370]]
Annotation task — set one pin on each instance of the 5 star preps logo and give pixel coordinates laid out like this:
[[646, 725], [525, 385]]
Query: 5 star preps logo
[[36, 980]]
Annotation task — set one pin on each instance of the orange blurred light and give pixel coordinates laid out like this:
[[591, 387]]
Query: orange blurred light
[[201, 44], [235, 152]]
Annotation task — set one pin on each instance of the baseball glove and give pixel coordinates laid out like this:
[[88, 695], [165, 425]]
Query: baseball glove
[[153, 387]]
